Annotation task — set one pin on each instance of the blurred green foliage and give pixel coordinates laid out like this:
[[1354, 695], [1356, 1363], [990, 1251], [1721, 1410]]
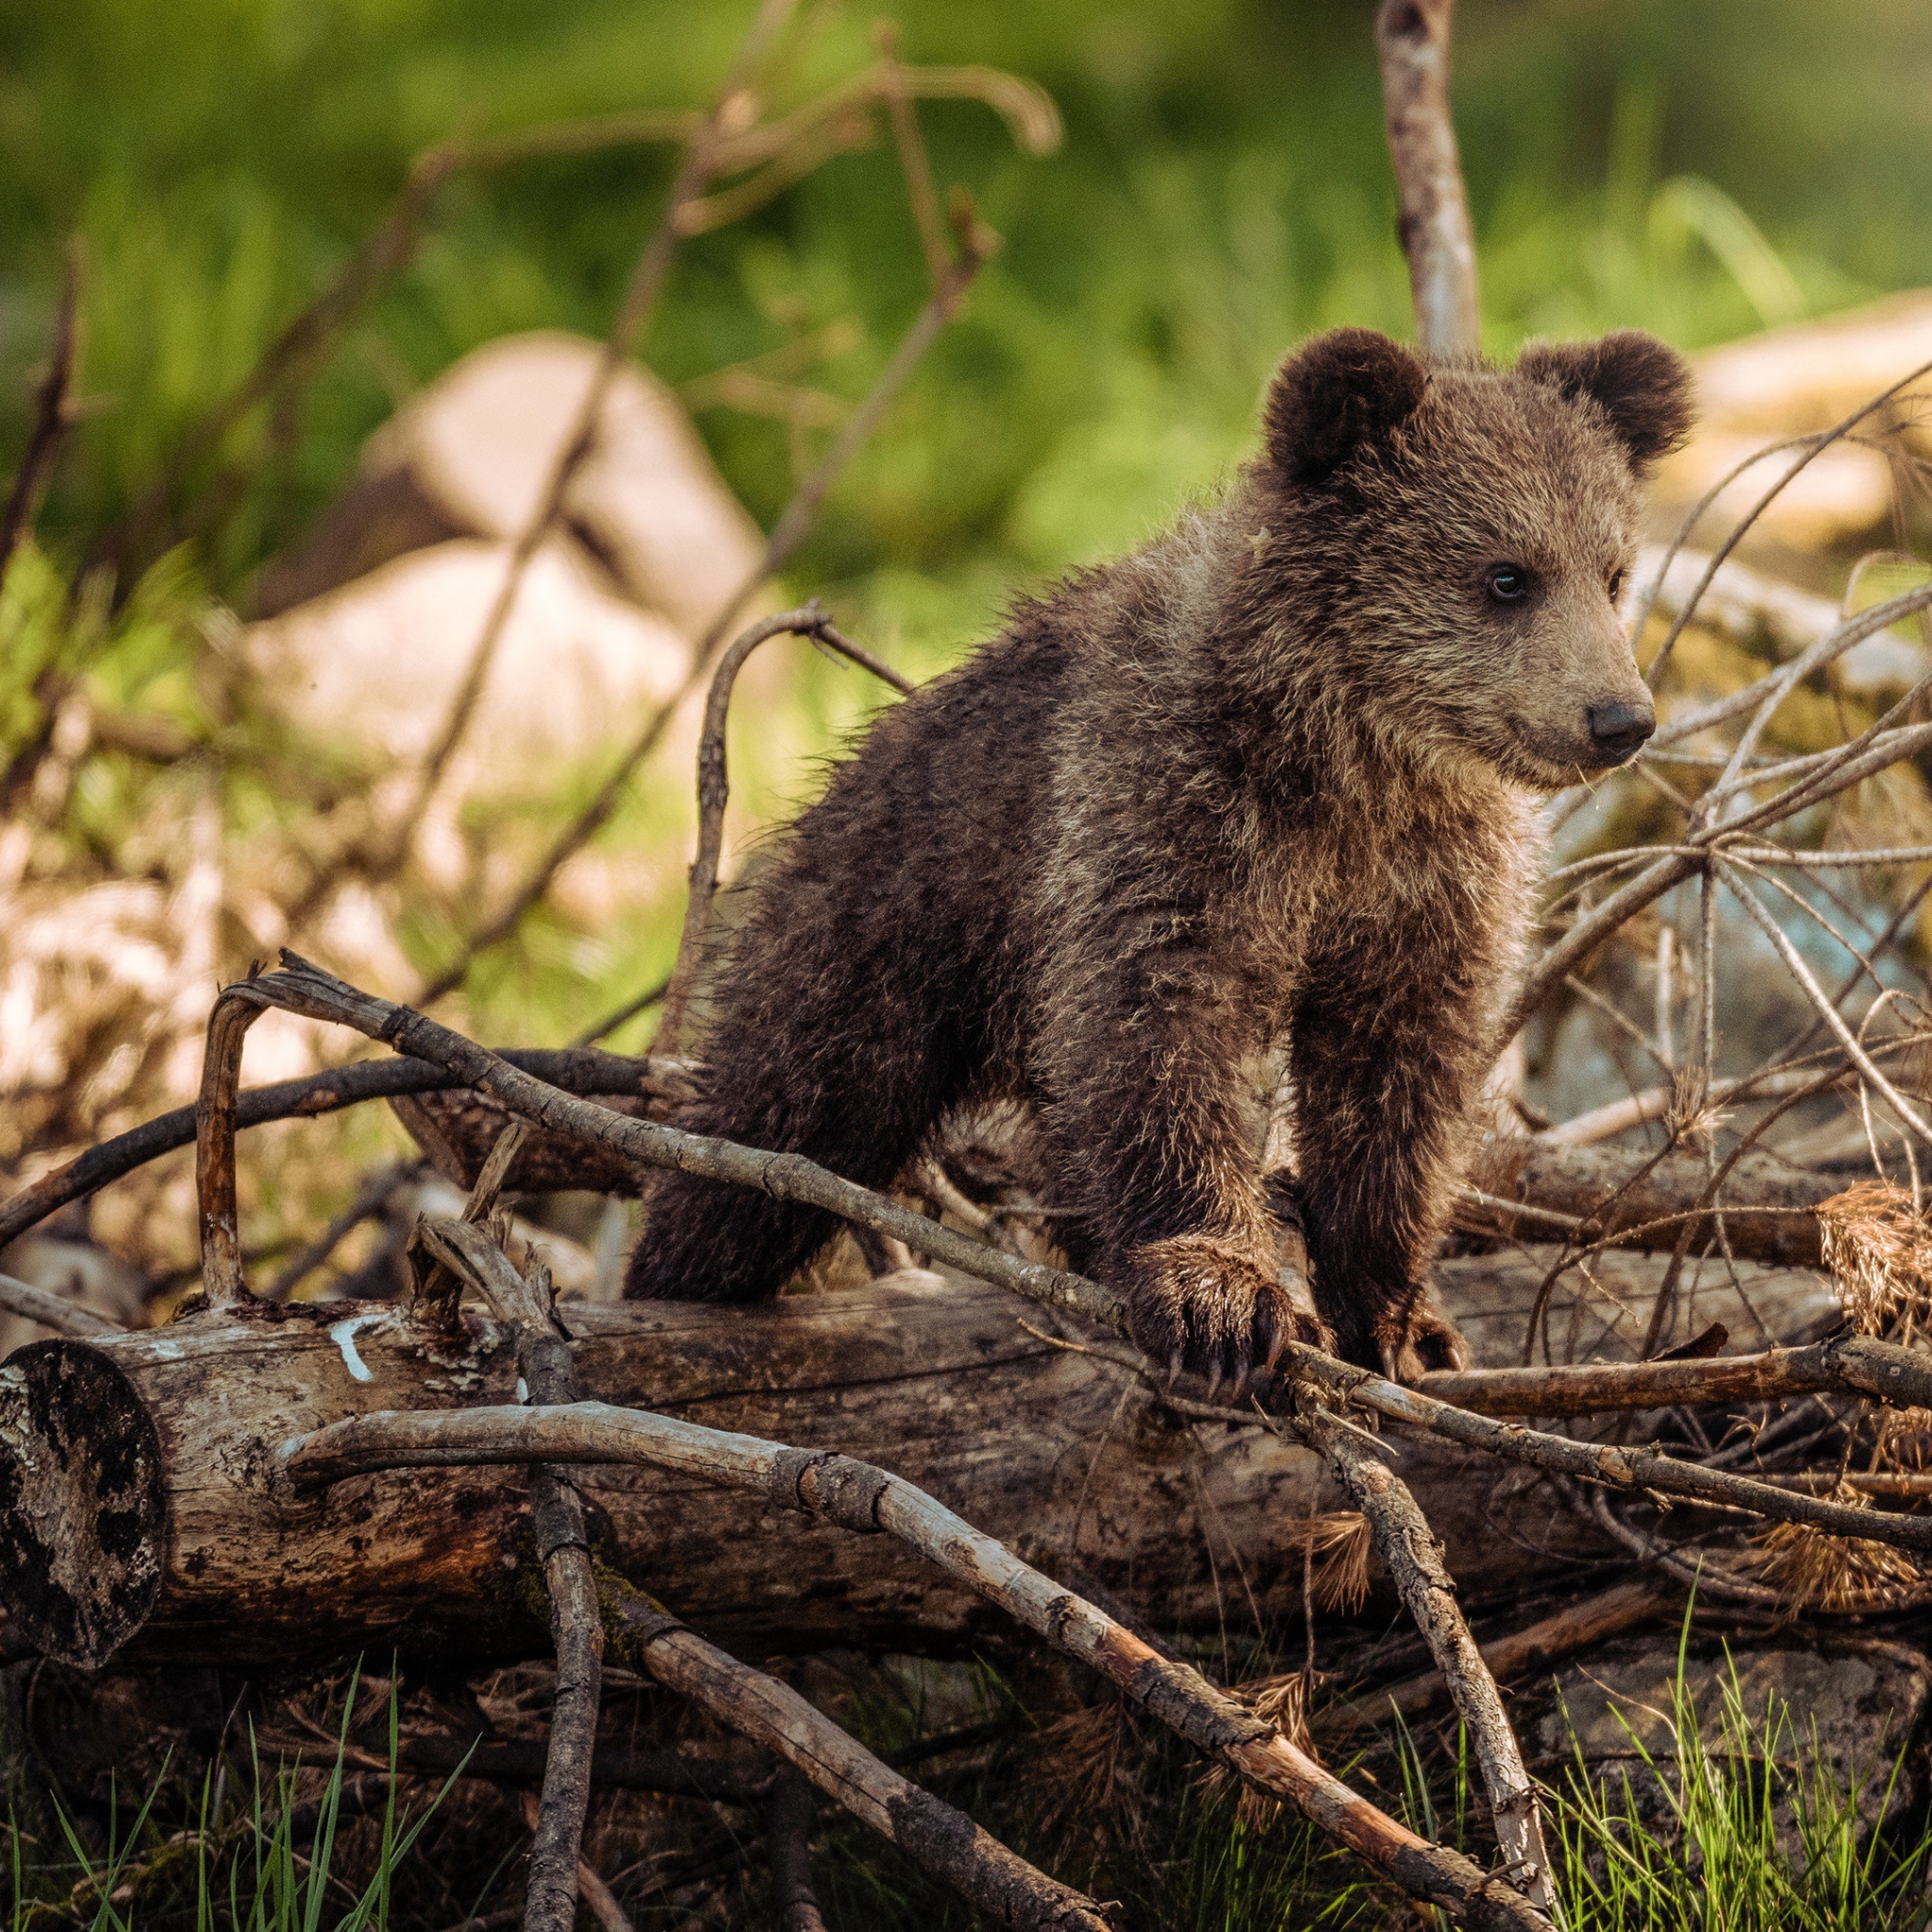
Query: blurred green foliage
[[1695, 168]]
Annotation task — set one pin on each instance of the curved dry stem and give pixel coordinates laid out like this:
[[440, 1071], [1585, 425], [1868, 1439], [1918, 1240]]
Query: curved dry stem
[[714, 790], [222, 1276]]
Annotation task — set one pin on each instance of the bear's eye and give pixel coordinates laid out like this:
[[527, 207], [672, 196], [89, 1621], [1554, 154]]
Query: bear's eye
[[1616, 585], [1507, 583]]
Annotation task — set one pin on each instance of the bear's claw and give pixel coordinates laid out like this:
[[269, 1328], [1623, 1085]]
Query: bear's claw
[[1422, 1339], [1208, 1308]]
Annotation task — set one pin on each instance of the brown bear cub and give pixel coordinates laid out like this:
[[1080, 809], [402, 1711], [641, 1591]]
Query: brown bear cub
[[1264, 788]]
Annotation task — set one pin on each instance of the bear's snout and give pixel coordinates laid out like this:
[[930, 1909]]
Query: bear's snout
[[1618, 727]]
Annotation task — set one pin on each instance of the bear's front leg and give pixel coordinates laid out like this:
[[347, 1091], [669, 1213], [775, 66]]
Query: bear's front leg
[[1383, 1069], [1148, 1102]]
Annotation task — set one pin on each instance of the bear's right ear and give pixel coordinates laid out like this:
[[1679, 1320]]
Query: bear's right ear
[[1345, 388]]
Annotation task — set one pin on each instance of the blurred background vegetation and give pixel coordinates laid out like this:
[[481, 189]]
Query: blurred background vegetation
[[1698, 169]]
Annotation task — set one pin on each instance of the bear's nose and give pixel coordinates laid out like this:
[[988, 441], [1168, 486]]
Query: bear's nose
[[1619, 726]]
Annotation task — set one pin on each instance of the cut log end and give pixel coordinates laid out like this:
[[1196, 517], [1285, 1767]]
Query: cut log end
[[83, 1504]]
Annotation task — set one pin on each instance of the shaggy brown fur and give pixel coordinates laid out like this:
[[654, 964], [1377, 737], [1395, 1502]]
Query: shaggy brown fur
[[1264, 786]]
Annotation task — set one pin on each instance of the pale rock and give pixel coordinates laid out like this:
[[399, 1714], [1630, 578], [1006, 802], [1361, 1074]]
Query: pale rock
[[472, 454], [379, 663], [1797, 381]]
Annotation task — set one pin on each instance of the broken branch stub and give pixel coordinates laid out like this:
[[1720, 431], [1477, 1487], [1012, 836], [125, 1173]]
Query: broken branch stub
[[222, 1276]]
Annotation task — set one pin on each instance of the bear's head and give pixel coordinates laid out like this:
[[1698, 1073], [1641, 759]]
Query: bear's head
[[1461, 538]]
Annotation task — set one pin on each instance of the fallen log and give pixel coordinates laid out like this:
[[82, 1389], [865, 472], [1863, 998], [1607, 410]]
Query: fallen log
[[141, 1512], [1631, 1197]]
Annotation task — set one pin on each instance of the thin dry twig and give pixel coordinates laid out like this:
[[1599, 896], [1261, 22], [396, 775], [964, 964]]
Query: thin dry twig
[[1414, 1560], [1714, 1579], [1849, 767], [696, 167], [1813, 448], [602, 1029], [527, 1308], [1800, 971], [914, 163], [53, 413], [1618, 1465]]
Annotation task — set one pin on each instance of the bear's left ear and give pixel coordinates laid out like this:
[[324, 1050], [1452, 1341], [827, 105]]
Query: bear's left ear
[[1643, 385]]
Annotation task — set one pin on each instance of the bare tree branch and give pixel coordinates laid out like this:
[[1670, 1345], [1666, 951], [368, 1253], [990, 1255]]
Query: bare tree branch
[[52, 1310], [1412, 37], [576, 1069], [556, 1517], [860, 1497], [943, 1841]]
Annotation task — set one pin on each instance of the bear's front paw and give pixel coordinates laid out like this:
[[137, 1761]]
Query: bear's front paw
[[1421, 1338], [1208, 1308]]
